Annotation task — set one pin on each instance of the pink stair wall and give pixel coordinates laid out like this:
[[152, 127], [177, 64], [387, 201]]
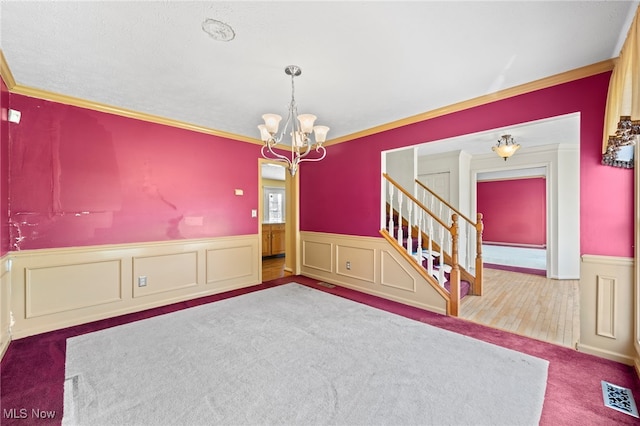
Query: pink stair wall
[[341, 194]]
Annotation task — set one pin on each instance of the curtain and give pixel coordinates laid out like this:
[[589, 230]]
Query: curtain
[[622, 114]]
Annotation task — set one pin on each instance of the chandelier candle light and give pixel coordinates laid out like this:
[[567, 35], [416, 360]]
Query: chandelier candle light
[[506, 147], [301, 129]]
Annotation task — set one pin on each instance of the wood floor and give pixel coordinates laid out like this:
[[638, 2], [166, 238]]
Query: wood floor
[[272, 268], [529, 305]]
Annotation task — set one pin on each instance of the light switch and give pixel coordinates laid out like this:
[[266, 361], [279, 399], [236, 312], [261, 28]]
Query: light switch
[[239, 192], [14, 116], [254, 213]]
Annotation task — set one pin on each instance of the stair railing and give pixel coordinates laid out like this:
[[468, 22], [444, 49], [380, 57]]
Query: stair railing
[[442, 238], [470, 236]]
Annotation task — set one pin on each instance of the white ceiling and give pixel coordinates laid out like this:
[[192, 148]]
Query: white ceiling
[[552, 131], [364, 63]]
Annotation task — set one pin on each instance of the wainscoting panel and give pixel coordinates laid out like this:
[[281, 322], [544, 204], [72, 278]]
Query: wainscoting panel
[[393, 274], [5, 308], [78, 285], [57, 288], [164, 273], [317, 255], [227, 264], [375, 269], [606, 307], [356, 262]]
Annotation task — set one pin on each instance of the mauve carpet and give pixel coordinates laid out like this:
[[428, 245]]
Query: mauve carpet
[[32, 370]]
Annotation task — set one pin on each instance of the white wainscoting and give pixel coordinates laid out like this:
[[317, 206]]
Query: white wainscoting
[[56, 288], [606, 307], [5, 310], [374, 267]]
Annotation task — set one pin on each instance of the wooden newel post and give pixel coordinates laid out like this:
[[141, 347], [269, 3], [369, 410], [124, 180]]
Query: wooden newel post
[[454, 277], [477, 285]]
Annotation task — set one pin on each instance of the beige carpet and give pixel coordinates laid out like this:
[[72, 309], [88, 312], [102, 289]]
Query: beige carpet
[[294, 355]]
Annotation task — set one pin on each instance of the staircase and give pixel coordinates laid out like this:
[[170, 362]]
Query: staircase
[[417, 227]]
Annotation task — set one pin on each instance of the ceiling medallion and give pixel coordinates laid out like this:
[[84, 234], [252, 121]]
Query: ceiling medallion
[[218, 30]]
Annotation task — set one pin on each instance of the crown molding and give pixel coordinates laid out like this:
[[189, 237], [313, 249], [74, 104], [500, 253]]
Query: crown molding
[[543, 83], [96, 106], [13, 87], [5, 72]]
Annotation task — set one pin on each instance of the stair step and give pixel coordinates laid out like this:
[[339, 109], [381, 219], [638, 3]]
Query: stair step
[[465, 287]]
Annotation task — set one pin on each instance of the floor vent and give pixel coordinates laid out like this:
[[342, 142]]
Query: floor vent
[[619, 398], [327, 285]]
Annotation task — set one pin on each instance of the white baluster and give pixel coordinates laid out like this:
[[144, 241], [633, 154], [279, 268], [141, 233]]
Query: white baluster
[[471, 235], [420, 215], [390, 209], [409, 242], [467, 236], [446, 238], [400, 218], [430, 247], [441, 278]]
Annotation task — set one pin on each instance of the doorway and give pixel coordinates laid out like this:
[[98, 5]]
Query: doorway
[[514, 205], [278, 220]]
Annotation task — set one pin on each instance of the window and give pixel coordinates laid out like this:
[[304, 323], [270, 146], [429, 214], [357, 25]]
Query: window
[[274, 205]]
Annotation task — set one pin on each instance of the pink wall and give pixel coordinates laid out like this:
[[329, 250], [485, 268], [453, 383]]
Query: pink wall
[[514, 211], [4, 169], [341, 194], [80, 177]]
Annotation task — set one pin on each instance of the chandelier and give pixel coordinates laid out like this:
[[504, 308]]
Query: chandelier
[[506, 147], [299, 127]]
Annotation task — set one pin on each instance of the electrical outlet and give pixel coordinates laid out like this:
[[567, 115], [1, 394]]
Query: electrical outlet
[[142, 281], [348, 265]]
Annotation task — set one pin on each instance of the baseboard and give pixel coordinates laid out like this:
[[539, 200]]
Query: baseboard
[[520, 269], [518, 245], [603, 353]]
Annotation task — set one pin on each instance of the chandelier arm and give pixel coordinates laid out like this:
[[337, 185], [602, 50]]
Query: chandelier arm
[[307, 144], [278, 157], [318, 149]]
